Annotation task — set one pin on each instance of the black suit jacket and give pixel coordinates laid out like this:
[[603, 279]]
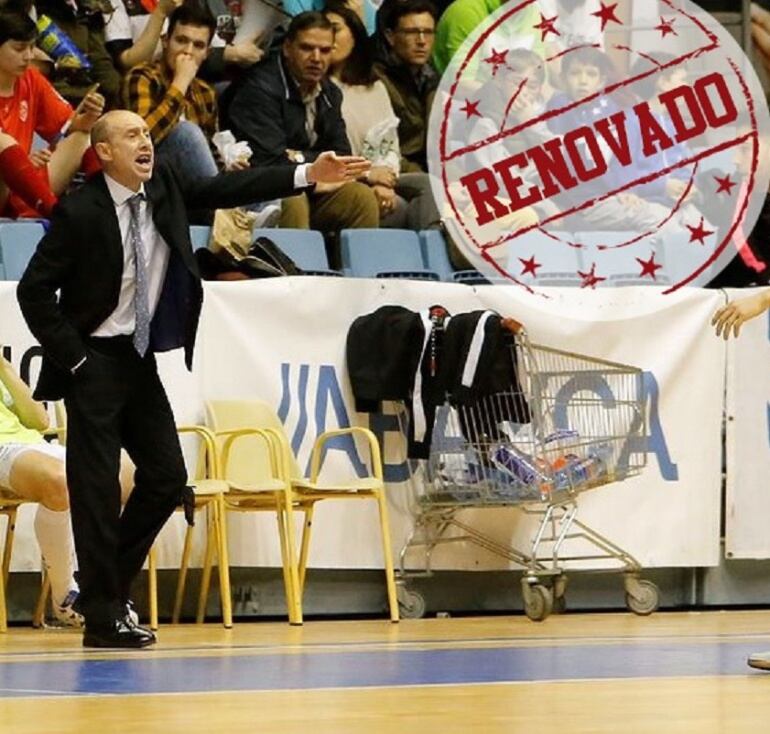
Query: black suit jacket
[[81, 257]]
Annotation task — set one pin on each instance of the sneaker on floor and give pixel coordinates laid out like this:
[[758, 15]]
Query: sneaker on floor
[[760, 660], [64, 614]]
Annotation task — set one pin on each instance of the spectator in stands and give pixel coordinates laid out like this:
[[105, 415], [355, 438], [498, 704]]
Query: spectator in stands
[[28, 105], [585, 72], [510, 99], [461, 18], [289, 111], [405, 201], [760, 33], [179, 108], [32, 469], [410, 79], [83, 22], [669, 189], [134, 29], [577, 24]]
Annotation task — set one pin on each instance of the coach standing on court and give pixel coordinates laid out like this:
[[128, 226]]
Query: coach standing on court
[[119, 253]]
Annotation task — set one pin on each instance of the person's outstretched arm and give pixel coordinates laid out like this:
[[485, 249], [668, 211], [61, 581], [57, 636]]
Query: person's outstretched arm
[[732, 316]]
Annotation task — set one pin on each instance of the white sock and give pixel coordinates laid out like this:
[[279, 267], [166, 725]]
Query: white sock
[[54, 536]]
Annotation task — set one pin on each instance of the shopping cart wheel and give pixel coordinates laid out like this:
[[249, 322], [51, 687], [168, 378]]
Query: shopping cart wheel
[[538, 600], [559, 598], [411, 603], [642, 596]]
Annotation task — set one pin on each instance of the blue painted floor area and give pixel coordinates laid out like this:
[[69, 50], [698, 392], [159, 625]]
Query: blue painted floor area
[[135, 674]]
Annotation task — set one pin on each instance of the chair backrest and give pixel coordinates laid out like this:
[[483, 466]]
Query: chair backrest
[[18, 241], [199, 235], [249, 458], [368, 253], [305, 246], [434, 253]]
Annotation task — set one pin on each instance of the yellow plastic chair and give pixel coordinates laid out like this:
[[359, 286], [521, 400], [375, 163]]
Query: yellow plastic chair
[[9, 506], [209, 492], [252, 463], [302, 493]]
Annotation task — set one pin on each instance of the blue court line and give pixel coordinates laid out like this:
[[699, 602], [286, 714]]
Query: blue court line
[[761, 638], [134, 675]]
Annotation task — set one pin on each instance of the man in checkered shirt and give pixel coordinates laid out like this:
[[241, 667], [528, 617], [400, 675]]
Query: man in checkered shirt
[[179, 108]]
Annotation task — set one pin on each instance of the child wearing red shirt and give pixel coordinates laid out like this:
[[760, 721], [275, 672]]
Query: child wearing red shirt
[[31, 183]]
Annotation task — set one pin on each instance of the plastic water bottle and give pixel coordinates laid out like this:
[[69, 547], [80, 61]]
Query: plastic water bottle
[[59, 46], [561, 438], [573, 471], [532, 474]]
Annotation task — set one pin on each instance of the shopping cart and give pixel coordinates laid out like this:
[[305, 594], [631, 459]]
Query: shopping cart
[[577, 423]]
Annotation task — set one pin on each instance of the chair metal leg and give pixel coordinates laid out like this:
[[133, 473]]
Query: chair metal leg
[[287, 583], [182, 579], [291, 544], [38, 618], [152, 582], [223, 557], [209, 559], [387, 552], [10, 531], [289, 558], [3, 609], [305, 547]]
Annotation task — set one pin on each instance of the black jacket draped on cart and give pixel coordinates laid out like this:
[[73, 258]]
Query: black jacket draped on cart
[[390, 351]]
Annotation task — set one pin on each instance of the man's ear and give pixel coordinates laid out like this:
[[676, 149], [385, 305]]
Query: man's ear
[[103, 151], [389, 37]]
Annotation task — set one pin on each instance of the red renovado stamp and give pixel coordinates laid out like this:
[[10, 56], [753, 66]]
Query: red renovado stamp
[[597, 143]]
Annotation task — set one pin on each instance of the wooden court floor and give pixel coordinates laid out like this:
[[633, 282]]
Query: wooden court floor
[[673, 672]]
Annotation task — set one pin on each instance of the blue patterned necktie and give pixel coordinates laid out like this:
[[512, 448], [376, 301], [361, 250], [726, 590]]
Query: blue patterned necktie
[[141, 295]]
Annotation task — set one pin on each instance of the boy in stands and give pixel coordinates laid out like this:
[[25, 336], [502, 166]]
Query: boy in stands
[[31, 183]]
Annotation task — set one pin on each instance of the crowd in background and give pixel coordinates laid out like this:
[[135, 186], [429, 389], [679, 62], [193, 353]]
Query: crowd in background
[[287, 81]]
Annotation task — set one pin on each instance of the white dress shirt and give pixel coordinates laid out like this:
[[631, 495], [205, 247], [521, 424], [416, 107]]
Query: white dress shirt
[[156, 251]]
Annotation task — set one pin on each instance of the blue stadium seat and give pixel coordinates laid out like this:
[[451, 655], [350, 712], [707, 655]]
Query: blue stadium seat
[[18, 240], [558, 262], [383, 253], [199, 234], [619, 264], [434, 253], [305, 246]]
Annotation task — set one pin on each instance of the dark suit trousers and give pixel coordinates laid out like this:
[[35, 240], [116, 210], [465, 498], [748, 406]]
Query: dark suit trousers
[[116, 399]]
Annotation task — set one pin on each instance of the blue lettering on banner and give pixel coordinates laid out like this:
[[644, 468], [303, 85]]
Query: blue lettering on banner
[[654, 442], [328, 396], [382, 423]]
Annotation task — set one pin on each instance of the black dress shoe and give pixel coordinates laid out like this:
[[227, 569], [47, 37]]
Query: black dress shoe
[[123, 633]]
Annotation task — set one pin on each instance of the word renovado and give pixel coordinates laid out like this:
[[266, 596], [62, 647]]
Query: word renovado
[[561, 165]]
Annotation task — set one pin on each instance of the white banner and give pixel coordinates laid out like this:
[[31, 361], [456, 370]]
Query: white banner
[[283, 340], [747, 513]]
